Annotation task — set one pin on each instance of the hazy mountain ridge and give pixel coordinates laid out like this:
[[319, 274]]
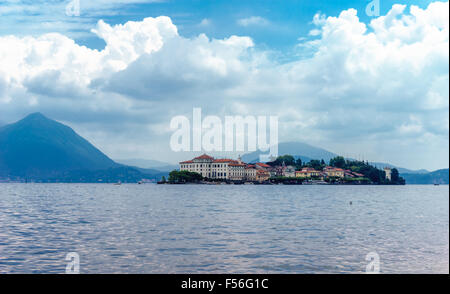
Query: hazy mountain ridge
[[148, 164], [297, 149], [440, 176], [307, 152], [38, 144], [40, 149]]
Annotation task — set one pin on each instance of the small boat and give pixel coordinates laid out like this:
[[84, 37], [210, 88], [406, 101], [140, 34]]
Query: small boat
[[118, 183], [140, 182]]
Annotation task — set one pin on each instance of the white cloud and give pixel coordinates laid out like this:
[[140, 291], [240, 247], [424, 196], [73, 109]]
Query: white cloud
[[380, 88], [252, 21], [46, 7], [205, 22]]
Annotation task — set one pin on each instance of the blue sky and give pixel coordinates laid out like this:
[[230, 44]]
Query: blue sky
[[357, 85], [287, 20]]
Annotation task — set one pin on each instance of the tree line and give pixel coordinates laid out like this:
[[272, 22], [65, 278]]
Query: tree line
[[373, 173]]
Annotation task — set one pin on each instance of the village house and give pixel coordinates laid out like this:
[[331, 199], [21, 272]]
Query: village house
[[331, 171], [289, 171], [307, 172], [352, 174], [250, 172], [262, 175]]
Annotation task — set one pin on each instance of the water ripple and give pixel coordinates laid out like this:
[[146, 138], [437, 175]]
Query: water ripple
[[223, 229]]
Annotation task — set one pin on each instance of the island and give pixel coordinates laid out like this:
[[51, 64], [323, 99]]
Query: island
[[284, 169]]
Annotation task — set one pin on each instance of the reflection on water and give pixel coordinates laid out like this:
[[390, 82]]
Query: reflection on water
[[223, 229]]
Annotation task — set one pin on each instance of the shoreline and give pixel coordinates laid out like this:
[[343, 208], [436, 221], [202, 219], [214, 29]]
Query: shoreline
[[268, 183]]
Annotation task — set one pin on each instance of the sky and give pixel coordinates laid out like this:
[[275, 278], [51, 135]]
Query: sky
[[357, 84]]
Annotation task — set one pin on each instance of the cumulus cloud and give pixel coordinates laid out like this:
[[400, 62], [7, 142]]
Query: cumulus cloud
[[184, 68], [379, 88]]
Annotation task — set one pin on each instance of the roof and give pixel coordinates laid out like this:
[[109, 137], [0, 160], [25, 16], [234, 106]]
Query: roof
[[262, 164], [309, 170], [224, 160], [204, 156], [261, 171], [236, 164], [188, 161], [330, 168]]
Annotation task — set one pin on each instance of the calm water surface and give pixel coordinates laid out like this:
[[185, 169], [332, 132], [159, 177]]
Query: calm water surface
[[223, 229]]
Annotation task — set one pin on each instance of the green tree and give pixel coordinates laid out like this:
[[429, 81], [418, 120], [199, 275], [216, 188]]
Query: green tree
[[395, 177], [287, 159], [315, 164], [184, 177], [298, 163], [338, 161]]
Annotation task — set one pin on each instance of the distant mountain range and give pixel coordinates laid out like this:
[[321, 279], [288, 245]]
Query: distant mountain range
[[37, 148], [307, 152], [40, 149], [440, 176], [148, 164], [299, 150]]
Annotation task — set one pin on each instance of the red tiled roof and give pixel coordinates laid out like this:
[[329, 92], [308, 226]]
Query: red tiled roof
[[358, 174], [224, 160], [204, 156], [236, 164], [188, 161], [309, 169], [262, 164]]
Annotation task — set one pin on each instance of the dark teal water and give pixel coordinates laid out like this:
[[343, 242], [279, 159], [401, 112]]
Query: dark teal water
[[223, 229]]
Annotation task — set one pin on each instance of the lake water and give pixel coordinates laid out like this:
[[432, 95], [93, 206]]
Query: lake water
[[223, 229]]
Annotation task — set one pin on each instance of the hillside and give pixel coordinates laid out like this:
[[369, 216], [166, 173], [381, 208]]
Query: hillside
[[148, 164], [299, 150], [440, 176], [37, 148]]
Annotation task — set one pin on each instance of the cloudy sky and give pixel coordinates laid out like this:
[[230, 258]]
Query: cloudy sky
[[337, 78]]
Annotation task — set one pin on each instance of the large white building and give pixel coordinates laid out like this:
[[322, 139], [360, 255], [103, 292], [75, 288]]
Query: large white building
[[227, 169]]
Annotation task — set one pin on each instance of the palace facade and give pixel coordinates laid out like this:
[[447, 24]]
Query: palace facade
[[226, 169]]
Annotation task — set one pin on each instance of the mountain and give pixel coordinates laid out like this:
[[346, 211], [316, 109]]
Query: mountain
[[299, 150], [307, 152], [40, 149], [37, 144], [401, 170], [440, 176], [148, 164]]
